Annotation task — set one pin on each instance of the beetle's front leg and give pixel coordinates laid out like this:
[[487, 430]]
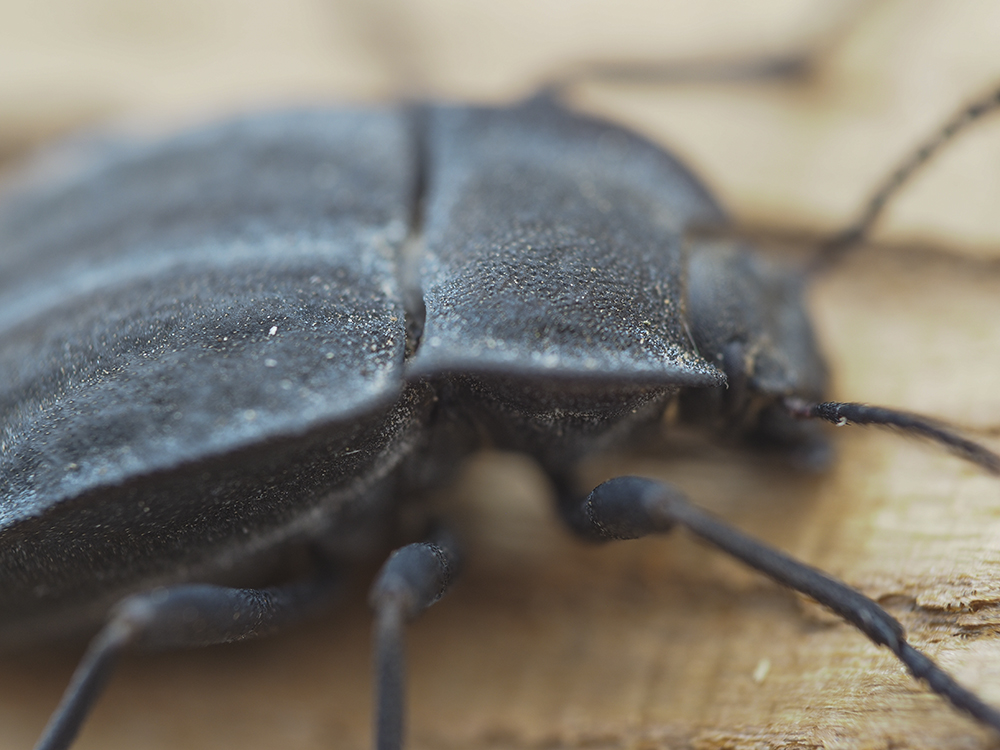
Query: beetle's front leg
[[632, 507]]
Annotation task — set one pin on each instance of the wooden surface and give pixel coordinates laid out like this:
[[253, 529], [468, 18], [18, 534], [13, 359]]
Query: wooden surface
[[661, 643]]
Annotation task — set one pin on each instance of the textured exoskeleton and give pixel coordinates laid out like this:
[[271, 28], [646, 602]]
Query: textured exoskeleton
[[271, 330]]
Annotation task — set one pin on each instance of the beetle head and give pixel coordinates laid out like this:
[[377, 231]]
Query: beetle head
[[747, 315]]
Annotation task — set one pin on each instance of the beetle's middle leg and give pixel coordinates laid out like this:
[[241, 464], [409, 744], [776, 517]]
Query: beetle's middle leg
[[412, 579], [632, 507]]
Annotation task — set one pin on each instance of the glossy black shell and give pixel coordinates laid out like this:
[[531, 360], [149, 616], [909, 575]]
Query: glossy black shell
[[207, 346]]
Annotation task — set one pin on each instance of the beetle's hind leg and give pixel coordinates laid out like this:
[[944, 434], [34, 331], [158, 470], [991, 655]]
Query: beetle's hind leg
[[175, 617], [632, 507]]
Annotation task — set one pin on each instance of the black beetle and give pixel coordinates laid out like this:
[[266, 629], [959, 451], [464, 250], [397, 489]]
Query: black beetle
[[276, 360], [265, 335]]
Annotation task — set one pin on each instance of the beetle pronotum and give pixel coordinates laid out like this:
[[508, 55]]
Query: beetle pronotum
[[635, 565]]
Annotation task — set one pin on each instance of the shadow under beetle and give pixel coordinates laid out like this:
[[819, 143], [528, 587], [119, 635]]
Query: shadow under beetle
[[266, 335]]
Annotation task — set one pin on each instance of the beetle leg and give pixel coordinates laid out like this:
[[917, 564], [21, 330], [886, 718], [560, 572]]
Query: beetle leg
[[174, 617], [631, 507], [792, 66], [412, 579]]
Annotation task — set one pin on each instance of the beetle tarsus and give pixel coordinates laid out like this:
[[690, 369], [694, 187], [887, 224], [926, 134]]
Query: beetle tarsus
[[923, 668], [630, 507], [412, 579]]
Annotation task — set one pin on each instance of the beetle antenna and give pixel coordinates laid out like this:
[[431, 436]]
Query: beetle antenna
[[633, 507], [912, 424], [836, 247]]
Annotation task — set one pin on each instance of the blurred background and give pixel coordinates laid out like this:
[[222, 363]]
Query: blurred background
[[548, 643], [802, 154]]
